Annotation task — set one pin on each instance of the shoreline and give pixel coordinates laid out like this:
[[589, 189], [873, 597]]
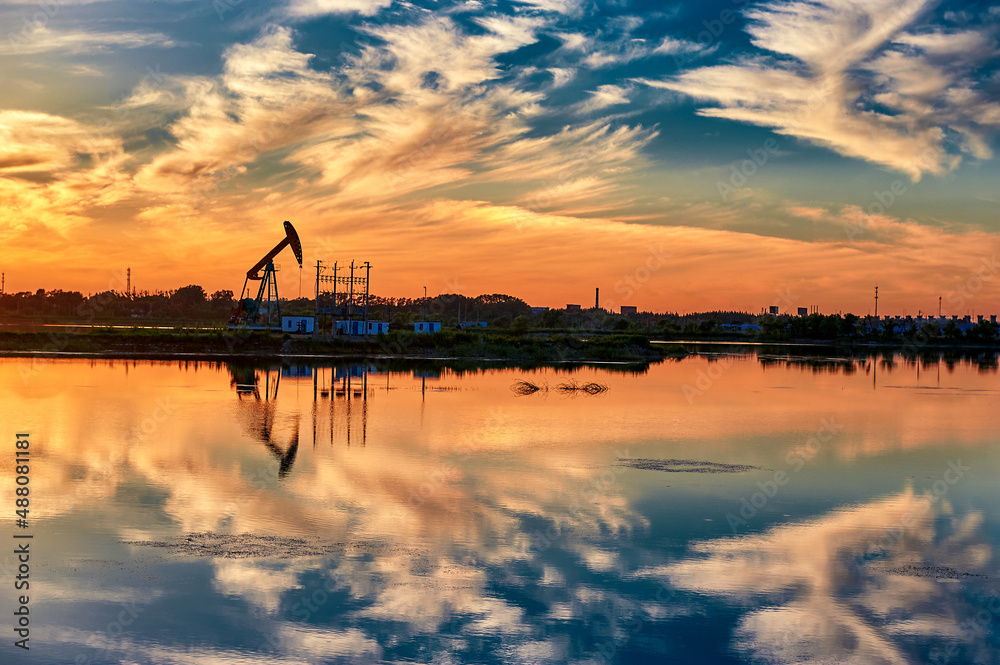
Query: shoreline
[[451, 346]]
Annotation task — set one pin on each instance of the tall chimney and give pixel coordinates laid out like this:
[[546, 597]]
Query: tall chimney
[[597, 298]]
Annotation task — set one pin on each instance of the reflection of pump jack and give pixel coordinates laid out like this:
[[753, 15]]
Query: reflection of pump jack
[[247, 382], [285, 457], [260, 313]]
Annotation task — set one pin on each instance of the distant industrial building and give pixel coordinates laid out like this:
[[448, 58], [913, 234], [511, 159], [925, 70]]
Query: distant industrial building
[[378, 327], [572, 307], [803, 311], [773, 309], [426, 327], [629, 309], [539, 310], [350, 327], [298, 324]]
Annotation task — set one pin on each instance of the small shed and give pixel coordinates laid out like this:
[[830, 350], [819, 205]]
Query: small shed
[[298, 324], [426, 327]]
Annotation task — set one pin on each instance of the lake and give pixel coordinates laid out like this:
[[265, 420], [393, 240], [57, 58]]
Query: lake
[[734, 506]]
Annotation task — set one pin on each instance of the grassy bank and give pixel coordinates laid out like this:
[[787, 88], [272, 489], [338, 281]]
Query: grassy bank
[[458, 344]]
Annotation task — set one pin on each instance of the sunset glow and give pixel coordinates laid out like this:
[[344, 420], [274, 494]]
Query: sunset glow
[[681, 157]]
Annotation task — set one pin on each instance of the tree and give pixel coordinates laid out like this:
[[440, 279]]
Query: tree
[[188, 299], [521, 324]]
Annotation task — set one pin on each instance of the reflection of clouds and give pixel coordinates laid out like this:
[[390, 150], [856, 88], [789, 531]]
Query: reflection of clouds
[[513, 545], [260, 585], [846, 587]]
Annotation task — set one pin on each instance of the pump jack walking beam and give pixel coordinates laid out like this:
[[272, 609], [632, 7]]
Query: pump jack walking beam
[[291, 238]]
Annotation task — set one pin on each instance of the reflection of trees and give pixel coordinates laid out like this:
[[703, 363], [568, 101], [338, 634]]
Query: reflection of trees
[[848, 362], [853, 586]]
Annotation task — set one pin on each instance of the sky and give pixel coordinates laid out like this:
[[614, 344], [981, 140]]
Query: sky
[[680, 157]]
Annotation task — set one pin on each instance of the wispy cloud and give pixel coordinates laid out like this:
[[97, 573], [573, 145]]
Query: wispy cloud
[[266, 98], [605, 96], [41, 39], [423, 104], [558, 6], [39, 142], [672, 46], [861, 79], [313, 8]]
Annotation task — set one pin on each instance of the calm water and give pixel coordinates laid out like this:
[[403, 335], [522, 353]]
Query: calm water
[[718, 509]]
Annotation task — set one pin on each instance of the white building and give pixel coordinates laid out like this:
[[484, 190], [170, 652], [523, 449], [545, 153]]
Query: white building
[[297, 324], [349, 327], [426, 327]]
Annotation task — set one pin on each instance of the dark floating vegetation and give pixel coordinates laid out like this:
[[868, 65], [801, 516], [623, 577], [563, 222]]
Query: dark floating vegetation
[[523, 387], [256, 546], [683, 465], [912, 570], [587, 388]]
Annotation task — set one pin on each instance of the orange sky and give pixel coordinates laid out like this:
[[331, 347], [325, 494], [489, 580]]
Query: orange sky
[[531, 153]]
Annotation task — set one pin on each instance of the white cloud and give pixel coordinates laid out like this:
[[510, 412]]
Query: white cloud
[[850, 59], [267, 97], [557, 6], [312, 8], [561, 76], [605, 96], [671, 46], [78, 42], [573, 41], [39, 142], [799, 568]]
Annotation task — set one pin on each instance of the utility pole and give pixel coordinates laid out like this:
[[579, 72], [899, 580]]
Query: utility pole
[[128, 282], [939, 307], [350, 302], [368, 272], [876, 301], [319, 267], [333, 310]]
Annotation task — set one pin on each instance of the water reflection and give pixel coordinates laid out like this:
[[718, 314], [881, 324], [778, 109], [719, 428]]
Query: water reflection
[[480, 526], [885, 582]]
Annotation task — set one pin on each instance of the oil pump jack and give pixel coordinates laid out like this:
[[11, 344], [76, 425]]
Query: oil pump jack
[[264, 311]]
